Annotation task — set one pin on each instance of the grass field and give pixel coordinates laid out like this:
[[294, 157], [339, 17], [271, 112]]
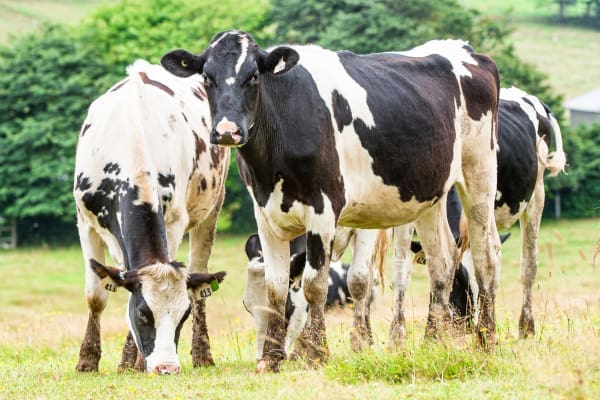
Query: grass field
[[43, 317]]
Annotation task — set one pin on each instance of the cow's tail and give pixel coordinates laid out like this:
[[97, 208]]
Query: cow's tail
[[463, 241], [556, 161], [379, 254]]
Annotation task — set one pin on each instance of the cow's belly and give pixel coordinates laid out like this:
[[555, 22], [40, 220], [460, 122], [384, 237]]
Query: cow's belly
[[371, 212]]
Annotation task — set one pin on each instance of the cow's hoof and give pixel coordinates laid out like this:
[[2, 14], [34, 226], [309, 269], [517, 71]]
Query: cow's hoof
[[87, 366], [266, 365], [203, 362]]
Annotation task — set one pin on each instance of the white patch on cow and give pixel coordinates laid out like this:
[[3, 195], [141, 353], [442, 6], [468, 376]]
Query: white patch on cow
[[518, 96], [341, 295], [467, 262], [505, 218], [498, 195], [299, 315], [451, 49], [338, 267], [244, 40], [165, 290], [230, 81], [329, 74]]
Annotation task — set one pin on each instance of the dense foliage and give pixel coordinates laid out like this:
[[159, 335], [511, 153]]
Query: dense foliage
[[48, 79]]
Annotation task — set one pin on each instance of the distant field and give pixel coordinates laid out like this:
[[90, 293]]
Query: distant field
[[22, 16], [570, 56], [43, 316]]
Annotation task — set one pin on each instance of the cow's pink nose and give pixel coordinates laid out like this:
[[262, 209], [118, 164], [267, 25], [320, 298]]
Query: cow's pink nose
[[167, 369]]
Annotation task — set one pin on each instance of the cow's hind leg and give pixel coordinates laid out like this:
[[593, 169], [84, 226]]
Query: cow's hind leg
[[530, 226], [401, 271], [202, 237], [96, 296], [438, 244], [359, 284]]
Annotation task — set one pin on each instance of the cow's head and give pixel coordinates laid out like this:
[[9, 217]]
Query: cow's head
[[233, 67], [158, 306]]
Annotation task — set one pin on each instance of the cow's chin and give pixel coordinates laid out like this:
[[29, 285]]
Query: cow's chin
[[229, 140]]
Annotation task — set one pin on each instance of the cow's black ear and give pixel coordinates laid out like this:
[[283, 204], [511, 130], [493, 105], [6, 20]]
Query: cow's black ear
[[278, 61], [182, 63], [504, 237], [253, 247], [415, 246], [128, 280]]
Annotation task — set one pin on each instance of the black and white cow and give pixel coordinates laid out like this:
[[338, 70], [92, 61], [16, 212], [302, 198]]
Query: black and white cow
[[525, 128], [296, 309], [145, 174], [365, 141]]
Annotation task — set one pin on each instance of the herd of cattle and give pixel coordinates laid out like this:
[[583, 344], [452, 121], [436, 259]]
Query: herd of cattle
[[334, 149]]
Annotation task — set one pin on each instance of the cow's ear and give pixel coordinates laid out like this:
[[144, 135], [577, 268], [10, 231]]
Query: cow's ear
[[253, 247], [182, 63], [120, 278], [278, 61], [503, 237], [197, 279]]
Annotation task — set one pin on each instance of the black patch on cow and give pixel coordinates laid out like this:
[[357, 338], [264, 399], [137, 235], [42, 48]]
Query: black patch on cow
[[454, 211], [166, 180], [544, 124], [341, 110], [157, 84], [119, 85], [214, 183], [216, 153], [180, 325], [338, 282], [482, 89], [141, 233], [204, 123], [112, 168], [203, 184], [314, 250], [200, 144], [83, 183], [297, 264], [461, 296], [517, 157], [142, 319], [184, 116], [413, 137], [85, 128]]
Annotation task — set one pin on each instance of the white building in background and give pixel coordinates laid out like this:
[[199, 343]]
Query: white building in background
[[585, 109]]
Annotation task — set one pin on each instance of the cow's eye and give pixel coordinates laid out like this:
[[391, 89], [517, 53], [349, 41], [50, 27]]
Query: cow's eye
[[208, 82]]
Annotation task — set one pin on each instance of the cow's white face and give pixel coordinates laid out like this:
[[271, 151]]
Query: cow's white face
[[158, 306], [156, 312]]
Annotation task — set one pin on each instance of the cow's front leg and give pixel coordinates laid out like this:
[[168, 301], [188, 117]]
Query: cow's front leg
[[320, 236], [202, 238], [401, 272], [438, 243], [360, 283], [96, 296], [276, 254]]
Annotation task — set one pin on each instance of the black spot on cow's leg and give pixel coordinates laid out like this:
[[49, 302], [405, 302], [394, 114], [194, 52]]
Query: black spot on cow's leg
[[166, 180], [314, 250], [201, 355], [128, 355]]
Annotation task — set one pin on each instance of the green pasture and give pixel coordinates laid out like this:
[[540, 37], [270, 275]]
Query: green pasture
[[43, 317]]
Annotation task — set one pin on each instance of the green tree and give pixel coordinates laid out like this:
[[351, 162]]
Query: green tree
[[47, 81]]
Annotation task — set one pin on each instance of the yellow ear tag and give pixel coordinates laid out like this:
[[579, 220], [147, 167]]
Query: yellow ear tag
[[420, 258]]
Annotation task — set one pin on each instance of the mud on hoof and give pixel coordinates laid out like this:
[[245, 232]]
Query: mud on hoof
[[87, 365], [397, 336], [526, 327], [203, 361], [360, 339], [486, 339], [89, 357], [266, 365]]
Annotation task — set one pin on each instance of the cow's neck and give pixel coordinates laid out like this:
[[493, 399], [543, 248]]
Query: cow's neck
[[144, 236]]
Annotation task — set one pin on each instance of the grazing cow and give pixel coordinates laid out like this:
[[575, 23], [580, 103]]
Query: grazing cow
[[364, 141], [145, 174], [296, 308], [525, 127]]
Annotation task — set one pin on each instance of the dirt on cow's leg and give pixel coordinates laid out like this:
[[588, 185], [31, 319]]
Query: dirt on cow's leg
[[273, 352], [128, 355], [318, 350], [201, 355], [91, 348], [486, 329]]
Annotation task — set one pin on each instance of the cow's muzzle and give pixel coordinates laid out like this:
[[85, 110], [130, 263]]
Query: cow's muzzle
[[227, 133], [167, 369]]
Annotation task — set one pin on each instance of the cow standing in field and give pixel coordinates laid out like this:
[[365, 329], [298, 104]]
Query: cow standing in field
[[366, 141], [145, 174], [525, 128]]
